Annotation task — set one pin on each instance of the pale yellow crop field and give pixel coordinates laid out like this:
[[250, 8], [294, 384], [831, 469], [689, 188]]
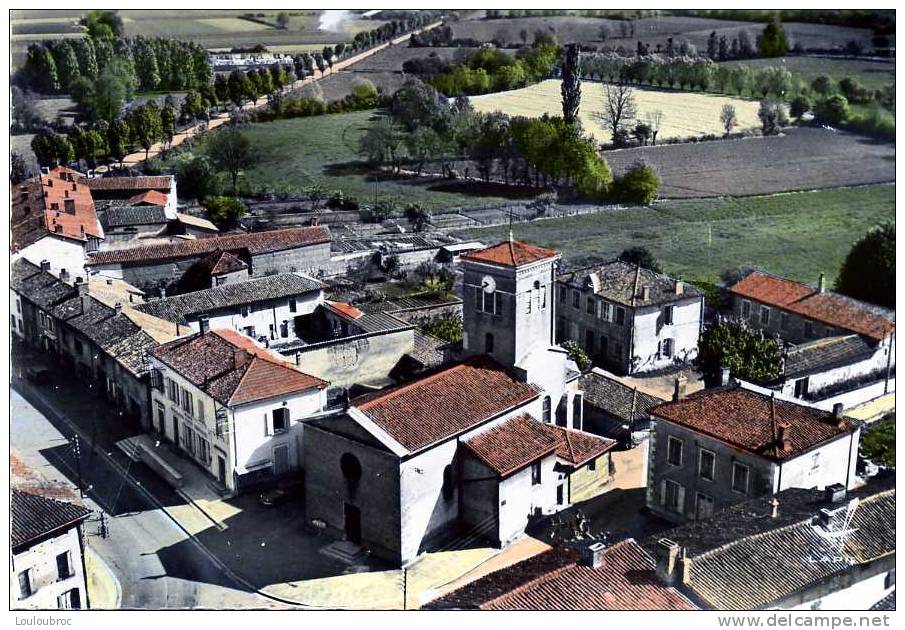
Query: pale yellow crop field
[[685, 114], [232, 24]]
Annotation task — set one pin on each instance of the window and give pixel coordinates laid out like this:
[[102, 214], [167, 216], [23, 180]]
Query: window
[[488, 343], [64, 566], [204, 451], [543, 296], [70, 600], [617, 350], [25, 584], [668, 347], [562, 411], [674, 451], [672, 496], [605, 311], [18, 305], [172, 391], [546, 408], [221, 423], [764, 316], [784, 321], [589, 341], [668, 313], [491, 302], [746, 309], [281, 420], [188, 404], [293, 307], [592, 465], [350, 467], [535, 474], [620, 316], [590, 306], [449, 483], [576, 410], [704, 506], [575, 299], [529, 295], [808, 329], [78, 346], [161, 416], [562, 294], [244, 310], [157, 380], [801, 387], [188, 439], [250, 331], [740, 474], [706, 464]]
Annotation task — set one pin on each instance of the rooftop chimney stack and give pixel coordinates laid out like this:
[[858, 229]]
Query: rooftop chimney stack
[[593, 555], [82, 288], [774, 507], [64, 276], [680, 287], [679, 392], [782, 437], [117, 308], [204, 324], [838, 415], [821, 283], [667, 558], [685, 568], [645, 293], [835, 493], [725, 373], [45, 265]]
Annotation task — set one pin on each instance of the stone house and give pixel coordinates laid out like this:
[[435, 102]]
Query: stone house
[[833, 342], [614, 409], [235, 409], [152, 189], [725, 445], [53, 219], [629, 319], [47, 562]]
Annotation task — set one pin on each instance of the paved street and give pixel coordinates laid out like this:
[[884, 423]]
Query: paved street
[[138, 530]]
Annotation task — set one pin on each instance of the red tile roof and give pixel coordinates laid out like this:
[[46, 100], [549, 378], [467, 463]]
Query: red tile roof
[[149, 197], [55, 203], [254, 242], [557, 580], [447, 403], [345, 310], [224, 262], [144, 182], [512, 445], [744, 419], [577, 447], [511, 254], [829, 308], [231, 368]]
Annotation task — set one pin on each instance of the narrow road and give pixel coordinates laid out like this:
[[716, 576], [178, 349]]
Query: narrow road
[[134, 159], [137, 528]]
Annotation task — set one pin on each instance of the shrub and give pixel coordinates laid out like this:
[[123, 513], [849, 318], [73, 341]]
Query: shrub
[[799, 106], [445, 327], [748, 353], [879, 442], [641, 256], [578, 355], [224, 212], [639, 185], [832, 110]]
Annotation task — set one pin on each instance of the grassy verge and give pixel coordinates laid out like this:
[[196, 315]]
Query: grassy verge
[[798, 235]]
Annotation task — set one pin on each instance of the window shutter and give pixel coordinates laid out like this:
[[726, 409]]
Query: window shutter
[[663, 493], [680, 496], [267, 425]]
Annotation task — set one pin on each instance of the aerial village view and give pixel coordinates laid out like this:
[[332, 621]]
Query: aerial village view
[[453, 309]]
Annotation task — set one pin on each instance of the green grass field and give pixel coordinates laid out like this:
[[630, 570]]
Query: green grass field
[[872, 74], [685, 114], [299, 152], [798, 235]]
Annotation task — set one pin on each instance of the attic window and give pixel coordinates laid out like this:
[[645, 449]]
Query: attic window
[[350, 467]]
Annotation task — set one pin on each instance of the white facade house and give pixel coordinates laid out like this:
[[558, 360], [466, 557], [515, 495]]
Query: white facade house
[[47, 568], [232, 407]]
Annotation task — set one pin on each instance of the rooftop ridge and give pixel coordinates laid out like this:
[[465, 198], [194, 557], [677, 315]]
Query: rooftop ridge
[[393, 393]]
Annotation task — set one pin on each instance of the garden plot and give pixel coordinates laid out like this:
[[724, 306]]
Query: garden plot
[[685, 114]]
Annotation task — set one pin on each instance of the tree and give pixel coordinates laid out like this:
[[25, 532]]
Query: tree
[[103, 24], [619, 108], [745, 46], [41, 69], [642, 256], [878, 443], [748, 353], [654, 121], [642, 133], [799, 106], [639, 185], [118, 134], [571, 83], [66, 62], [446, 327], [145, 125], [18, 168], [196, 177], [381, 142], [833, 110], [773, 41], [869, 270], [822, 85], [728, 118], [772, 117], [283, 19], [43, 145], [231, 151], [168, 122], [239, 87], [113, 87], [575, 353], [417, 216], [224, 212]]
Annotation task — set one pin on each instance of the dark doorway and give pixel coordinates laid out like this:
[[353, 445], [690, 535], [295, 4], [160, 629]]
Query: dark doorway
[[176, 431], [353, 523], [560, 494], [221, 469]]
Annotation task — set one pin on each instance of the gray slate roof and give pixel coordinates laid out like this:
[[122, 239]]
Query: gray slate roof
[[178, 308], [118, 215], [33, 516], [622, 283], [43, 289], [825, 354], [615, 398]]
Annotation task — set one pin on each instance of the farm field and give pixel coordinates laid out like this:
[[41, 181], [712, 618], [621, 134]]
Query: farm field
[[798, 235], [337, 86], [303, 151], [685, 114], [804, 158], [873, 74]]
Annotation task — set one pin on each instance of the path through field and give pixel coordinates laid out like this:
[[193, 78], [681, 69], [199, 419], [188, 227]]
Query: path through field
[[134, 159]]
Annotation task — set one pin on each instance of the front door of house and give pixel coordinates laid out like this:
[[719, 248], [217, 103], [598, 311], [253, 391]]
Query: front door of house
[[175, 430], [221, 469], [353, 523], [560, 494], [280, 460]]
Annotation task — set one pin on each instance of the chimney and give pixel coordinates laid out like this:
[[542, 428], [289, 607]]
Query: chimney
[[821, 283], [64, 275], [118, 308], [725, 373], [838, 416], [57, 228], [204, 323], [680, 287], [834, 493], [645, 294], [82, 287], [679, 392], [593, 555], [667, 557], [163, 292], [45, 265], [774, 507], [685, 568], [782, 437]]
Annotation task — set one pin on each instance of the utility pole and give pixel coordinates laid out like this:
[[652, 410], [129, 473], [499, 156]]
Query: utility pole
[[78, 462], [405, 575]]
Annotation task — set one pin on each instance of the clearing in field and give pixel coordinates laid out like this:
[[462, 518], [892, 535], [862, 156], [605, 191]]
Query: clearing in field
[[799, 235], [685, 114]]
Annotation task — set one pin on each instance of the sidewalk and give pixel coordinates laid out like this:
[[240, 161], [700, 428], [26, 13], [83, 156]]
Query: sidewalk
[[104, 590]]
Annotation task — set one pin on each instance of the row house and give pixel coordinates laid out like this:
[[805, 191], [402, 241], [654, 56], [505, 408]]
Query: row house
[[100, 343], [234, 408], [831, 339], [724, 445], [142, 190], [47, 561], [627, 318], [53, 219]]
